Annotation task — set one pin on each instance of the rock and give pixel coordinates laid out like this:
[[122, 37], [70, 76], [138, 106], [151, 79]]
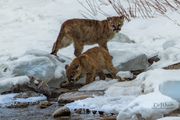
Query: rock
[[129, 60], [44, 104], [18, 105], [7, 83], [42, 66], [109, 118], [72, 96], [173, 66], [32, 86], [62, 111], [55, 93]]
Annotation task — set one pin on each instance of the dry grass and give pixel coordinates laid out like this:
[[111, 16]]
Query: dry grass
[[133, 8]]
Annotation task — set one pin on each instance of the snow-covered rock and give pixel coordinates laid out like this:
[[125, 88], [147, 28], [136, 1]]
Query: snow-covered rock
[[7, 83], [125, 60], [149, 106], [40, 65]]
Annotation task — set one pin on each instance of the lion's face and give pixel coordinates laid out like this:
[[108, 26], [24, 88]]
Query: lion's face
[[115, 23], [73, 71]]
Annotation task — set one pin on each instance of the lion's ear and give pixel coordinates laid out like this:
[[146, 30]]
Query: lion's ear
[[109, 18], [66, 66]]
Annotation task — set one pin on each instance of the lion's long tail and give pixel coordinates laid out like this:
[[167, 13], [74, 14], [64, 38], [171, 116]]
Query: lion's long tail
[[58, 44]]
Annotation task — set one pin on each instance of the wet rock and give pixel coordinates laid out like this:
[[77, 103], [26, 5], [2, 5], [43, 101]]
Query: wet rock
[[129, 60], [71, 86], [44, 104], [73, 96], [18, 105], [108, 118], [55, 93], [63, 111]]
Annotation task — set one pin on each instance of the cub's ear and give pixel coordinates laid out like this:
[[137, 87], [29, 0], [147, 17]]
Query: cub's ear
[[66, 66]]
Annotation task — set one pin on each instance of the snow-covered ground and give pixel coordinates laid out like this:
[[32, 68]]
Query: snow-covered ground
[[34, 25]]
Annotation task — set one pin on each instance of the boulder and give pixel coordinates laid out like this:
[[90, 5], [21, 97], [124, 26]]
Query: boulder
[[62, 111], [42, 66], [129, 60], [7, 83]]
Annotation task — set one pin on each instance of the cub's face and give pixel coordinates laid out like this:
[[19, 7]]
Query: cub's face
[[115, 23], [73, 71]]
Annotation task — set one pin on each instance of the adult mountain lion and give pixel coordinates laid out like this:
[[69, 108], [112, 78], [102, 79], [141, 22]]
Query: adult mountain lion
[[91, 63], [87, 32]]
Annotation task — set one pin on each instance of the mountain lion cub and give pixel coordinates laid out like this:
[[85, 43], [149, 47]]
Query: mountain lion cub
[[91, 63], [87, 32]]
